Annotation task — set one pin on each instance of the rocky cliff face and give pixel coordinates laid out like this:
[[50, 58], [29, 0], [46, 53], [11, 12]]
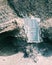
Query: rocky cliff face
[[46, 30], [11, 26], [7, 17], [38, 8], [12, 31]]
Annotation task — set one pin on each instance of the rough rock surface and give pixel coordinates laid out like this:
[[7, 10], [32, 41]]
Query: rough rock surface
[[9, 20], [12, 32], [7, 15], [46, 30], [39, 8]]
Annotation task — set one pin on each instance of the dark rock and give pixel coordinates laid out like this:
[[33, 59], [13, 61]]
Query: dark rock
[[46, 30], [39, 8], [12, 33]]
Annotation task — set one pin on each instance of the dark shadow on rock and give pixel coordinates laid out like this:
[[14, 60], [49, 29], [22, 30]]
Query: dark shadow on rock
[[10, 45], [45, 49], [33, 7]]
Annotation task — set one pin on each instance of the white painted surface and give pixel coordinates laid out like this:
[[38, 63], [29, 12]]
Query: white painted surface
[[32, 29]]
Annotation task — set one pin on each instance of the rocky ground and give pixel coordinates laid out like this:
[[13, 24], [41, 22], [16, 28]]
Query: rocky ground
[[24, 53]]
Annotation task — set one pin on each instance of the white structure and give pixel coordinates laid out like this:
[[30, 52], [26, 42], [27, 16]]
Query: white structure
[[32, 29]]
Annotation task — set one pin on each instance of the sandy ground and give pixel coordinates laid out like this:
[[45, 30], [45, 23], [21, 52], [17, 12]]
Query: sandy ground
[[18, 59]]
